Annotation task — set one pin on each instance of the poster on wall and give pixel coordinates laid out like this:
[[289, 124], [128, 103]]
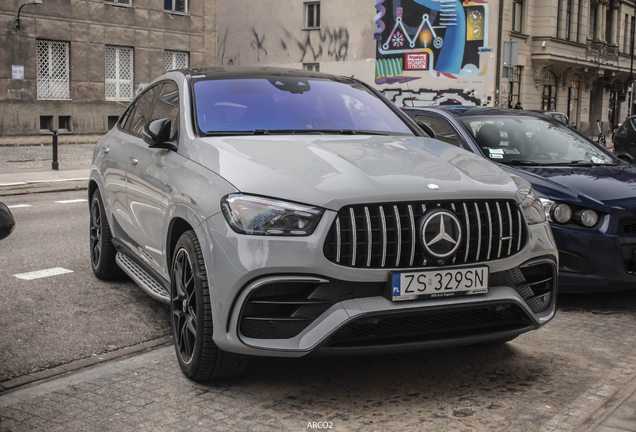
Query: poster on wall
[[440, 39]]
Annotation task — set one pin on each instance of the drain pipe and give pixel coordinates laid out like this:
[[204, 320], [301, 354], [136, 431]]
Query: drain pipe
[[499, 37]]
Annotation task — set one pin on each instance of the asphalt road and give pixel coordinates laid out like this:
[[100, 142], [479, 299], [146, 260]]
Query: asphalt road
[[546, 380], [54, 320]]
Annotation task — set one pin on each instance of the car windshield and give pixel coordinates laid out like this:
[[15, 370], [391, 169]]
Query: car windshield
[[292, 105], [518, 140]]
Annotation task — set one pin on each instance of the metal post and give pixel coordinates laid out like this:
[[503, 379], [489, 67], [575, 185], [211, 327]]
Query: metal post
[[55, 166]]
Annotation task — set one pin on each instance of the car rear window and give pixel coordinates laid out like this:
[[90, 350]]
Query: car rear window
[[291, 104]]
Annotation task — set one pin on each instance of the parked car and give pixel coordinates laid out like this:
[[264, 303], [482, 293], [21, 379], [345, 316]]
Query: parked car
[[555, 115], [286, 212], [624, 140], [588, 194], [7, 222]]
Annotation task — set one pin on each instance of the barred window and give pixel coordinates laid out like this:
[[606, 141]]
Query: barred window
[[119, 73], [176, 5], [175, 60], [53, 70]]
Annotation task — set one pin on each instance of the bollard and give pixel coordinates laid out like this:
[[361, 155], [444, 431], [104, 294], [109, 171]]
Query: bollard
[[55, 166]]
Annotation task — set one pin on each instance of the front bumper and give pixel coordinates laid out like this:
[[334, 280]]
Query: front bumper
[[238, 265]]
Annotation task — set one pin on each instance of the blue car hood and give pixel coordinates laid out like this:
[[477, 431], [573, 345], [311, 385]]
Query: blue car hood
[[609, 186]]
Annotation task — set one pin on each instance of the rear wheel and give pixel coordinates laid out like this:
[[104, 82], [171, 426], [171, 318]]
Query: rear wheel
[[191, 314], [102, 250]]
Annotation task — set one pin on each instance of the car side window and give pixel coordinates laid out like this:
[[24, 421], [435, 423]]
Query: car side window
[[142, 113], [167, 106], [622, 131], [122, 121], [443, 130]]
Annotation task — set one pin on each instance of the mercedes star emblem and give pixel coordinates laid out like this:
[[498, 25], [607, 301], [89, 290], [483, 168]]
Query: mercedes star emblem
[[441, 233]]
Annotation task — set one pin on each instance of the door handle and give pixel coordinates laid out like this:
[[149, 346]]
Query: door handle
[[106, 150], [134, 160]]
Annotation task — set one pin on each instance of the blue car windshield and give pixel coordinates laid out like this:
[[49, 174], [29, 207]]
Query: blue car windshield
[[533, 141], [299, 105]]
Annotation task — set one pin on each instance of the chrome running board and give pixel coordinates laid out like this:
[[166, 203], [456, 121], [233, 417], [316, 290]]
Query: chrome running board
[[153, 288]]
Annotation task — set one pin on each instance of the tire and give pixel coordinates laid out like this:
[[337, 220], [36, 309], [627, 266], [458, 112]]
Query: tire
[[191, 317], [102, 251]]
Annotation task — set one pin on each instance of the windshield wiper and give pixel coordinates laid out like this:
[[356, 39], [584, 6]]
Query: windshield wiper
[[521, 162]]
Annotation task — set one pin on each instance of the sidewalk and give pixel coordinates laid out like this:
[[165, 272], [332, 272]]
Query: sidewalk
[[36, 140]]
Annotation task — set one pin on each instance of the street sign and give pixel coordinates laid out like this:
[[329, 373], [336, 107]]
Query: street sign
[[17, 72]]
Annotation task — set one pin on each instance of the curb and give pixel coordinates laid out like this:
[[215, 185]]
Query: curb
[[44, 140], [62, 370]]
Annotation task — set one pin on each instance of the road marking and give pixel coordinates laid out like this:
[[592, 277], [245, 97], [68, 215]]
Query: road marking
[[43, 181], [43, 273], [72, 201], [19, 206]]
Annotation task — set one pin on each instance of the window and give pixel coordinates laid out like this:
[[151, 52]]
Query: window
[[142, 113], [517, 15], [64, 124], [443, 130], [119, 73], [167, 106], [573, 101], [176, 5], [175, 60], [121, 2], [312, 67], [515, 85], [53, 72], [548, 98], [46, 124], [312, 15], [568, 18]]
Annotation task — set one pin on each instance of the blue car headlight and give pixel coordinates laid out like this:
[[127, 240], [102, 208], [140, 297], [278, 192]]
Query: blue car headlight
[[254, 215]]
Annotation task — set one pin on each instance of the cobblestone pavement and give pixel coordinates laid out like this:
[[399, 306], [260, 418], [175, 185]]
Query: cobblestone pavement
[[23, 158], [549, 380]]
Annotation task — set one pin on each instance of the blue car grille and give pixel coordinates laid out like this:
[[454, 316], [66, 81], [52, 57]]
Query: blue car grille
[[627, 226], [387, 235]]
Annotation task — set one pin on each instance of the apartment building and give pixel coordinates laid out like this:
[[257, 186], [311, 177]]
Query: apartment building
[[74, 65]]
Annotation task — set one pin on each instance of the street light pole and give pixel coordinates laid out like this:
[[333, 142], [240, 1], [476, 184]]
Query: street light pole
[[630, 79], [30, 2]]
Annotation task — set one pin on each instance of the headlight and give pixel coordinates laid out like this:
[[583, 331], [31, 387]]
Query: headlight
[[557, 212], [587, 218], [530, 203], [255, 215]]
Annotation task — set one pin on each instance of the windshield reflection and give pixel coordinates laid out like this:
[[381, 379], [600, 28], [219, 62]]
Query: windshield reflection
[[533, 141]]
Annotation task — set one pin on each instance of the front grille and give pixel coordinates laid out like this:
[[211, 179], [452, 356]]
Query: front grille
[[386, 235], [627, 226], [429, 325]]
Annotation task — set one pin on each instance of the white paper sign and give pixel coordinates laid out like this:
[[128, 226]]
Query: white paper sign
[[17, 72]]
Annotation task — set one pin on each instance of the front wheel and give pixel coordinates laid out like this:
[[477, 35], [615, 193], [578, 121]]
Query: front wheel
[[191, 314], [102, 250]]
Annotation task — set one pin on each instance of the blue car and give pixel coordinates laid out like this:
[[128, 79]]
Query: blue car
[[588, 194]]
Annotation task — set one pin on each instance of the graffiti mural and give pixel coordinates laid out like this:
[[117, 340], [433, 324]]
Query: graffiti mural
[[429, 97], [437, 38]]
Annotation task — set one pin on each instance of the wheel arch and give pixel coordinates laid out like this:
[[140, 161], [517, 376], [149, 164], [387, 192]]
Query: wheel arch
[[176, 229]]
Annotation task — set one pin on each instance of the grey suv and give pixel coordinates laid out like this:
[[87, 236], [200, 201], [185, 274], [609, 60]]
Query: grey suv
[[285, 212]]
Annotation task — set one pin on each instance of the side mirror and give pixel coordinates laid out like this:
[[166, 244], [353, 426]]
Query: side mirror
[[157, 134], [426, 128], [7, 223]]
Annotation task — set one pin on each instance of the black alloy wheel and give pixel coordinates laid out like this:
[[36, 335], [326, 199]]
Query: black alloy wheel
[[102, 250], [191, 315]]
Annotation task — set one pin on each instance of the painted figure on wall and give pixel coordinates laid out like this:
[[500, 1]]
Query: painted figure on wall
[[443, 37]]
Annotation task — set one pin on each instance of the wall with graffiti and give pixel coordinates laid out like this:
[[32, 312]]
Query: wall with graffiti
[[419, 52]]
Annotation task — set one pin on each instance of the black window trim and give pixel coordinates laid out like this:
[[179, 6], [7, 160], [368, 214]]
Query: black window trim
[[154, 104], [463, 143], [135, 103]]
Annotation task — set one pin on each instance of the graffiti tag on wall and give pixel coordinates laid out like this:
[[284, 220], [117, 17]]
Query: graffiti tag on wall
[[443, 38], [429, 97]]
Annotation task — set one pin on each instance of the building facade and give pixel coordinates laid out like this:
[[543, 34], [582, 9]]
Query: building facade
[[75, 65]]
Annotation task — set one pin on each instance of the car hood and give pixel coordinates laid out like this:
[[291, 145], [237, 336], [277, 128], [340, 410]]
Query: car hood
[[609, 186], [332, 171]]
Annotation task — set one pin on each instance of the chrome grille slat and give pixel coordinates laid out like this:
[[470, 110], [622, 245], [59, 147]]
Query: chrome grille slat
[[369, 236], [467, 231], [399, 235], [478, 232], [338, 239], [412, 235], [384, 240], [382, 237], [500, 230], [511, 233], [354, 235]]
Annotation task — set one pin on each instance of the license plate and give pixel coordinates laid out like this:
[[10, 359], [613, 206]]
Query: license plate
[[439, 283]]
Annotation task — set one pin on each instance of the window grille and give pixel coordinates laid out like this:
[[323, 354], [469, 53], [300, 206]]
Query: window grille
[[119, 73], [174, 60], [53, 70]]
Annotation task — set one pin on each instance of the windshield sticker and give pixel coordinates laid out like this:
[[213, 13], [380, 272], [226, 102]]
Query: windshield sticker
[[511, 151], [496, 156], [495, 150], [597, 160]]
